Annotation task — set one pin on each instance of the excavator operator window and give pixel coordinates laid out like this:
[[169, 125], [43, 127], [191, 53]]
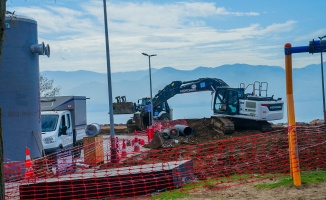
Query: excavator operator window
[[220, 102], [160, 108], [163, 106], [241, 94], [232, 102]]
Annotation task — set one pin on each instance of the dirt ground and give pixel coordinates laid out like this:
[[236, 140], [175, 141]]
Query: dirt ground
[[248, 191], [204, 132]]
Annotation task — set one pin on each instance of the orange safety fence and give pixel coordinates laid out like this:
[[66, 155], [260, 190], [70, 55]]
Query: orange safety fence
[[87, 172]]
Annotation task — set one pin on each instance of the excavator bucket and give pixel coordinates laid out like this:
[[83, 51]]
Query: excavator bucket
[[122, 106]]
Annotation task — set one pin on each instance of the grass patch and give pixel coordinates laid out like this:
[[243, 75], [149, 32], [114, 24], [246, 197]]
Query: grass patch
[[308, 177], [190, 188], [185, 190], [313, 177], [171, 195]]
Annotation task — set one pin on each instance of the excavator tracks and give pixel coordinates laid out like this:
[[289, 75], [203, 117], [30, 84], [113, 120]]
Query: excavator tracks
[[265, 126], [222, 125]]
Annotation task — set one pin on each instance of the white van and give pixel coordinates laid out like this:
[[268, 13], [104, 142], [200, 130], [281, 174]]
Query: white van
[[64, 122]]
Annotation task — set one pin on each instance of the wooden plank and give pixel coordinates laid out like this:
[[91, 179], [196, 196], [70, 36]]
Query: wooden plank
[[93, 150]]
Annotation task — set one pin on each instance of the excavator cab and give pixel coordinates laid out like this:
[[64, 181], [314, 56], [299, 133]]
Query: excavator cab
[[227, 100], [142, 103]]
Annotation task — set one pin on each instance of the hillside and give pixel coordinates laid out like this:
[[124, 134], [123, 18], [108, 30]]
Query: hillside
[[135, 84]]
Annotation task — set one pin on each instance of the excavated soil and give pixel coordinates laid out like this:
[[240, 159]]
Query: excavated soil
[[203, 132]]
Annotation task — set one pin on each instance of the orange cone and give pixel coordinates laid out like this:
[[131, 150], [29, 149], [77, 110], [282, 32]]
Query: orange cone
[[136, 145], [124, 149], [133, 142], [29, 171], [142, 142], [149, 138]]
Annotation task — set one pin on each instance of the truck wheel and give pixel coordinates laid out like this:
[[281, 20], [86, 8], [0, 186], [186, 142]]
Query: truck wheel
[[131, 126], [129, 122], [77, 150], [165, 117]]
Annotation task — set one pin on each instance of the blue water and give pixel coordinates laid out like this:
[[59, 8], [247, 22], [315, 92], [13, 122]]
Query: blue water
[[304, 112]]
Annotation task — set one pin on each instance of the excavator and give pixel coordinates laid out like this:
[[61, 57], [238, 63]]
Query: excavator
[[246, 106]]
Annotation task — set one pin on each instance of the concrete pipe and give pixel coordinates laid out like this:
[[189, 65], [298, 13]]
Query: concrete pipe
[[166, 133], [93, 130], [174, 133], [184, 130]]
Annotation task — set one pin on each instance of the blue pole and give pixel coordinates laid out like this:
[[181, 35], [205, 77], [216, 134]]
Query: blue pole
[[315, 46], [302, 49]]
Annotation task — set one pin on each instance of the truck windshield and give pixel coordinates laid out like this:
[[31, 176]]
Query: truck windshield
[[49, 122]]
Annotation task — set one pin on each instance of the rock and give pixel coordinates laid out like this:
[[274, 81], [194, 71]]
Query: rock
[[155, 143], [317, 122]]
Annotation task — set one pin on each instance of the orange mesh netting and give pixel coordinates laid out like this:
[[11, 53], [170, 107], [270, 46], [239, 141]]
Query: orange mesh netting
[[97, 169]]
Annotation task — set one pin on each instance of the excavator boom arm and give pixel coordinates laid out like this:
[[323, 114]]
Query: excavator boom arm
[[170, 90], [180, 87]]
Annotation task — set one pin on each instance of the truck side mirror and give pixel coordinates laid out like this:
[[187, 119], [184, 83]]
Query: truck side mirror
[[63, 130]]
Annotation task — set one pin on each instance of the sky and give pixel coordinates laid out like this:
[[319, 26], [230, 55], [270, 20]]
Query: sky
[[183, 34]]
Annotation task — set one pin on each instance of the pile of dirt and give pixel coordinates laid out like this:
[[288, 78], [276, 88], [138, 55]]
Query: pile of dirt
[[203, 131]]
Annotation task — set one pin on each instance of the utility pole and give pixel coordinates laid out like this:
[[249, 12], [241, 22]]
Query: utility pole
[[151, 117], [113, 149]]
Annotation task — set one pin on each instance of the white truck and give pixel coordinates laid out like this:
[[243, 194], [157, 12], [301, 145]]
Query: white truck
[[64, 122]]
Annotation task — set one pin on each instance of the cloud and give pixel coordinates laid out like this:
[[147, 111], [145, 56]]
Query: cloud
[[313, 35], [57, 20], [180, 33], [223, 11]]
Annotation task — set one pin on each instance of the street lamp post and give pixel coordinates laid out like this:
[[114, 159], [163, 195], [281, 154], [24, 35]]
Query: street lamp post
[[113, 148], [322, 79], [150, 85]]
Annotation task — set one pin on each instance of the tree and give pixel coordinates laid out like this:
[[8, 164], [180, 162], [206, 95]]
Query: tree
[[2, 22], [46, 87]]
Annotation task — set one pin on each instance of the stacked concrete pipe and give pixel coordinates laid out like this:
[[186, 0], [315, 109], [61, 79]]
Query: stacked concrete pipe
[[176, 131], [183, 130]]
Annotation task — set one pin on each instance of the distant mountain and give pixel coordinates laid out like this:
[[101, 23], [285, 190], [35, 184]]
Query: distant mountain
[[135, 85]]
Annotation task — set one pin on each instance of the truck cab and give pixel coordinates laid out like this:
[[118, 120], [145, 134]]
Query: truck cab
[[57, 132]]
